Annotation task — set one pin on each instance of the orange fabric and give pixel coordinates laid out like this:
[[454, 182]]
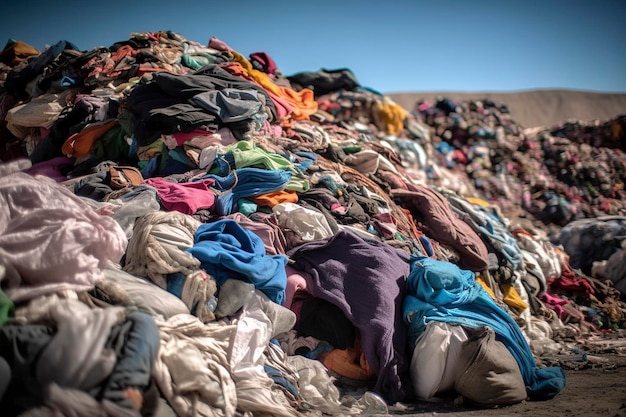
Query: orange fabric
[[276, 197], [16, 52], [349, 363], [521, 232], [80, 143], [303, 102]]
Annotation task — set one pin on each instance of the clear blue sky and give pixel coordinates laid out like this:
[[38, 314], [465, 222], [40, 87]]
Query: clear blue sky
[[391, 46]]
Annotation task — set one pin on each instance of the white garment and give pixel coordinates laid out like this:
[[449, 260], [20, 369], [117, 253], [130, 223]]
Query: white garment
[[308, 224], [41, 111], [141, 293], [435, 358], [192, 369], [157, 247], [246, 356], [50, 239]]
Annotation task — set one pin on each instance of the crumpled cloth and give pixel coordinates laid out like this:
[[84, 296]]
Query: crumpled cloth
[[50, 239]]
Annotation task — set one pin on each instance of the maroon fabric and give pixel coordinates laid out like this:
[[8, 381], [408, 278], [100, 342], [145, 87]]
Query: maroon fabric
[[55, 168], [266, 62], [568, 281], [433, 210]]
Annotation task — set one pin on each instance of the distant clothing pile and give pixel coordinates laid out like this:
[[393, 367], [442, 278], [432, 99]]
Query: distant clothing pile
[[557, 173], [188, 231]]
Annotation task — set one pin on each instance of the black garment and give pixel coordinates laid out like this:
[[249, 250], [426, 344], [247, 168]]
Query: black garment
[[162, 105], [325, 321], [63, 128], [324, 81], [20, 347], [16, 81]]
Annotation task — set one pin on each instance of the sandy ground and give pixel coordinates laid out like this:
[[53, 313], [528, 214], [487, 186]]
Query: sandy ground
[[535, 107], [592, 389]]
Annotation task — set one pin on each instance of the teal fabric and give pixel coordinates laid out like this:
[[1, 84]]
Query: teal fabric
[[441, 291]]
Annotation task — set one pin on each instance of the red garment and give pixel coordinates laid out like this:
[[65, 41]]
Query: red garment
[[182, 137], [569, 281]]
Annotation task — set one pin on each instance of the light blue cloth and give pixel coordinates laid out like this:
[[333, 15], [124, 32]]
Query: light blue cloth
[[441, 291], [227, 250]]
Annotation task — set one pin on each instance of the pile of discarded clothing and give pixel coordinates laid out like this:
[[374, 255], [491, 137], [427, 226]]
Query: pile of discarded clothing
[[188, 231], [557, 174]]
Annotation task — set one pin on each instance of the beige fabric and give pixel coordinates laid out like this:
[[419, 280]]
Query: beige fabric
[[42, 111], [488, 374]]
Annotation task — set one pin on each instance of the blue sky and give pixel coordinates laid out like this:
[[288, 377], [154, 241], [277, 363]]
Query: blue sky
[[391, 46]]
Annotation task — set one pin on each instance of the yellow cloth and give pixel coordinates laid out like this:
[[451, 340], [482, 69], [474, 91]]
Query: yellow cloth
[[487, 288], [616, 130], [16, 52], [147, 152], [479, 201], [390, 116], [512, 297]]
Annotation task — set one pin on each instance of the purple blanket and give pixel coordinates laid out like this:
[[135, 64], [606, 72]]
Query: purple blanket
[[366, 280]]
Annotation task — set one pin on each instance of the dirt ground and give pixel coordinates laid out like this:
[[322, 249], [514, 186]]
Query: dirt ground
[[592, 389], [535, 107]]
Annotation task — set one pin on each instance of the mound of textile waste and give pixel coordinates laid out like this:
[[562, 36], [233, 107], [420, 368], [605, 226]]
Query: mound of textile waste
[[187, 231]]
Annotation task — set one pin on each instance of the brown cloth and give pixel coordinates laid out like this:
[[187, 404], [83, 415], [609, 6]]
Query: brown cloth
[[432, 209]]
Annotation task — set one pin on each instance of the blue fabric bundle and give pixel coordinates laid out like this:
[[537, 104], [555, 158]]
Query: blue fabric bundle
[[227, 250], [244, 183], [441, 291]]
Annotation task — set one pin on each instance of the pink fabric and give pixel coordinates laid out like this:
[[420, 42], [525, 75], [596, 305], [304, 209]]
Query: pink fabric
[[555, 303], [182, 137], [271, 234], [50, 239], [385, 224], [297, 282], [218, 44], [186, 197], [423, 106], [283, 108]]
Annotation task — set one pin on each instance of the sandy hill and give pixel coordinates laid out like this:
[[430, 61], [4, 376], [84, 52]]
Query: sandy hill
[[535, 107]]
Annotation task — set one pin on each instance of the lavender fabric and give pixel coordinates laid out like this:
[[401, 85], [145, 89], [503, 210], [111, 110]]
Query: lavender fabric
[[365, 279]]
